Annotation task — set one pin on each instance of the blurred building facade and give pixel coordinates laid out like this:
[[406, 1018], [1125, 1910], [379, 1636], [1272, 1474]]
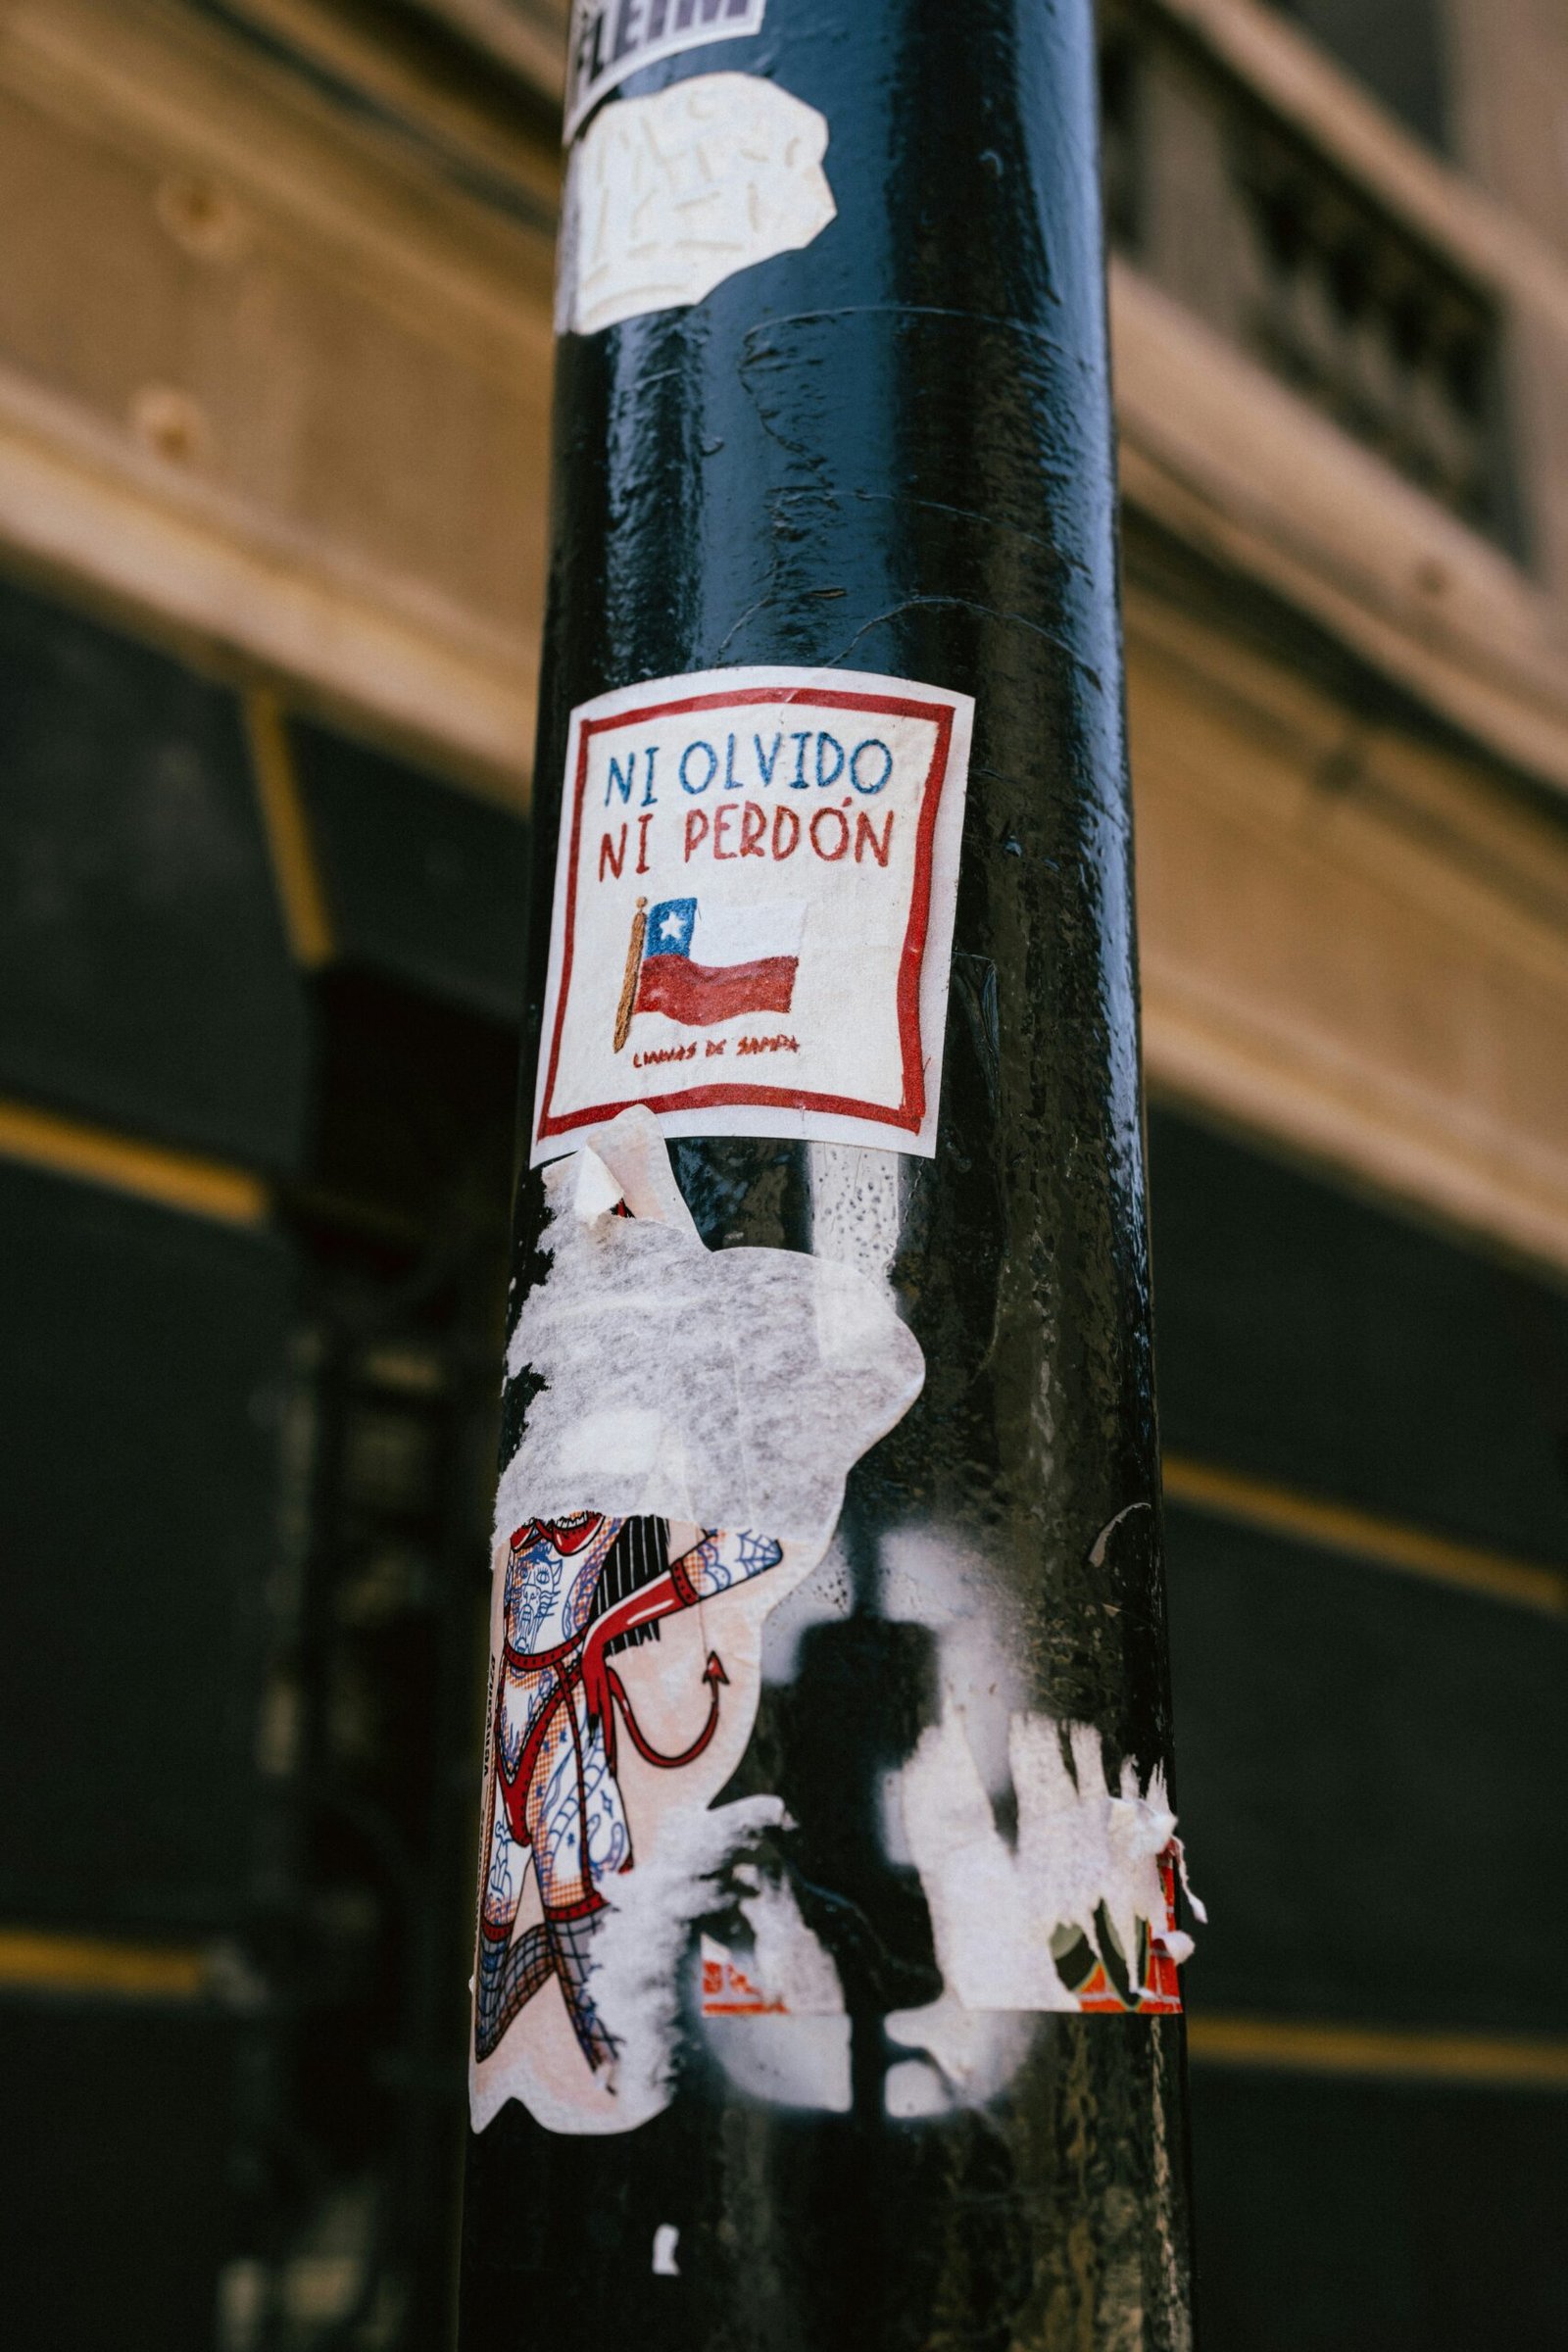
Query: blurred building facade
[[274, 355]]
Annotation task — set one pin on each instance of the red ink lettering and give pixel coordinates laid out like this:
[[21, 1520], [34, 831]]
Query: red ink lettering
[[783, 1043], [835, 816], [611, 856], [866, 837]]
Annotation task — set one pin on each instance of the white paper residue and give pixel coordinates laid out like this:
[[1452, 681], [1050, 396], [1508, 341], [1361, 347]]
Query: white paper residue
[[611, 39], [996, 1902], [773, 2013], [971, 2054], [995, 1907], [637, 1952], [666, 2237], [856, 1205], [725, 1389], [667, 196], [791, 1965]]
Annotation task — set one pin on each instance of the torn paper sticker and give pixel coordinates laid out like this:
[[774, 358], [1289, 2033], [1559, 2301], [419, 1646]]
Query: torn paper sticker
[[667, 196], [1073, 1908], [1083, 1893], [754, 907], [772, 2007], [611, 38], [683, 1469]]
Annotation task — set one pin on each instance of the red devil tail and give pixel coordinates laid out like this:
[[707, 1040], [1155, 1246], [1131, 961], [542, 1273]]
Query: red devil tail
[[715, 1677]]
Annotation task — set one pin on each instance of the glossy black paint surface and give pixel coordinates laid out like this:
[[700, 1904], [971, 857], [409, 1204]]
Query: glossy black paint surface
[[891, 452]]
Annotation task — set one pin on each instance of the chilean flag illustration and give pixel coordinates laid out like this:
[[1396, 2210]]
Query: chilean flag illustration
[[698, 968]]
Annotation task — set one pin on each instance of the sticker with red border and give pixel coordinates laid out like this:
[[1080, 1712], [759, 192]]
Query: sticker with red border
[[753, 922]]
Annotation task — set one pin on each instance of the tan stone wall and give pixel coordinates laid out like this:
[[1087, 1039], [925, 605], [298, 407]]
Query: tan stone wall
[[1351, 941], [301, 373]]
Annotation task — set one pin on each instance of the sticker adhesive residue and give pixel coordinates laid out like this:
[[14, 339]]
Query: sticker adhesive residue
[[753, 922], [667, 196], [1071, 1908]]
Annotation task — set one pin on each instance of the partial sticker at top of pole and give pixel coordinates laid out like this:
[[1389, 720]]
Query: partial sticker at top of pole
[[611, 38]]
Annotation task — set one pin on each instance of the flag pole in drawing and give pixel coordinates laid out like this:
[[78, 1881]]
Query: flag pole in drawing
[[699, 965], [628, 987]]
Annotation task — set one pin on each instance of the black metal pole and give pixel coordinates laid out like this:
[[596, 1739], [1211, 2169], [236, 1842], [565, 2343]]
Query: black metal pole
[[881, 445]]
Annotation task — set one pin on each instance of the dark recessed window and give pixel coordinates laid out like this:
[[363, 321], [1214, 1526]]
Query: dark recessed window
[[1393, 46]]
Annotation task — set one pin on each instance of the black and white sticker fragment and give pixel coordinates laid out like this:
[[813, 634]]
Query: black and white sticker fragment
[[611, 38]]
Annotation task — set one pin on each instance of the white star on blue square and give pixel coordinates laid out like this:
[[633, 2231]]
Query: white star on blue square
[[670, 925]]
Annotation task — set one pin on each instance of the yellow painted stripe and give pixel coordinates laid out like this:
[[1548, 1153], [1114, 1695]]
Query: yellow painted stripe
[[34, 1961], [289, 831], [1277, 2045], [1363, 1535], [203, 1187]]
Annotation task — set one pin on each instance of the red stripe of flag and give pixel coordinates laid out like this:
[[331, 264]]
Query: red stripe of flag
[[700, 994]]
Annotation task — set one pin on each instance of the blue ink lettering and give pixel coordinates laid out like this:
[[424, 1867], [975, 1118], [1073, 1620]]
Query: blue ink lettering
[[768, 766], [713, 765], [872, 743]]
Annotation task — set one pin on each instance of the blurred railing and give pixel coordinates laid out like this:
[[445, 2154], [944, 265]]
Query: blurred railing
[[1237, 214]]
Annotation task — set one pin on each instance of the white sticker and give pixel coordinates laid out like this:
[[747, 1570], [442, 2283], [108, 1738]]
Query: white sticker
[[667, 196], [667, 2239], [753, 924], [611, 38]]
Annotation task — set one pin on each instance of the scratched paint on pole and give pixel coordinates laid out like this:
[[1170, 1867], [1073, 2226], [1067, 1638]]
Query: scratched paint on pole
[[753, 921], [611, 38]]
